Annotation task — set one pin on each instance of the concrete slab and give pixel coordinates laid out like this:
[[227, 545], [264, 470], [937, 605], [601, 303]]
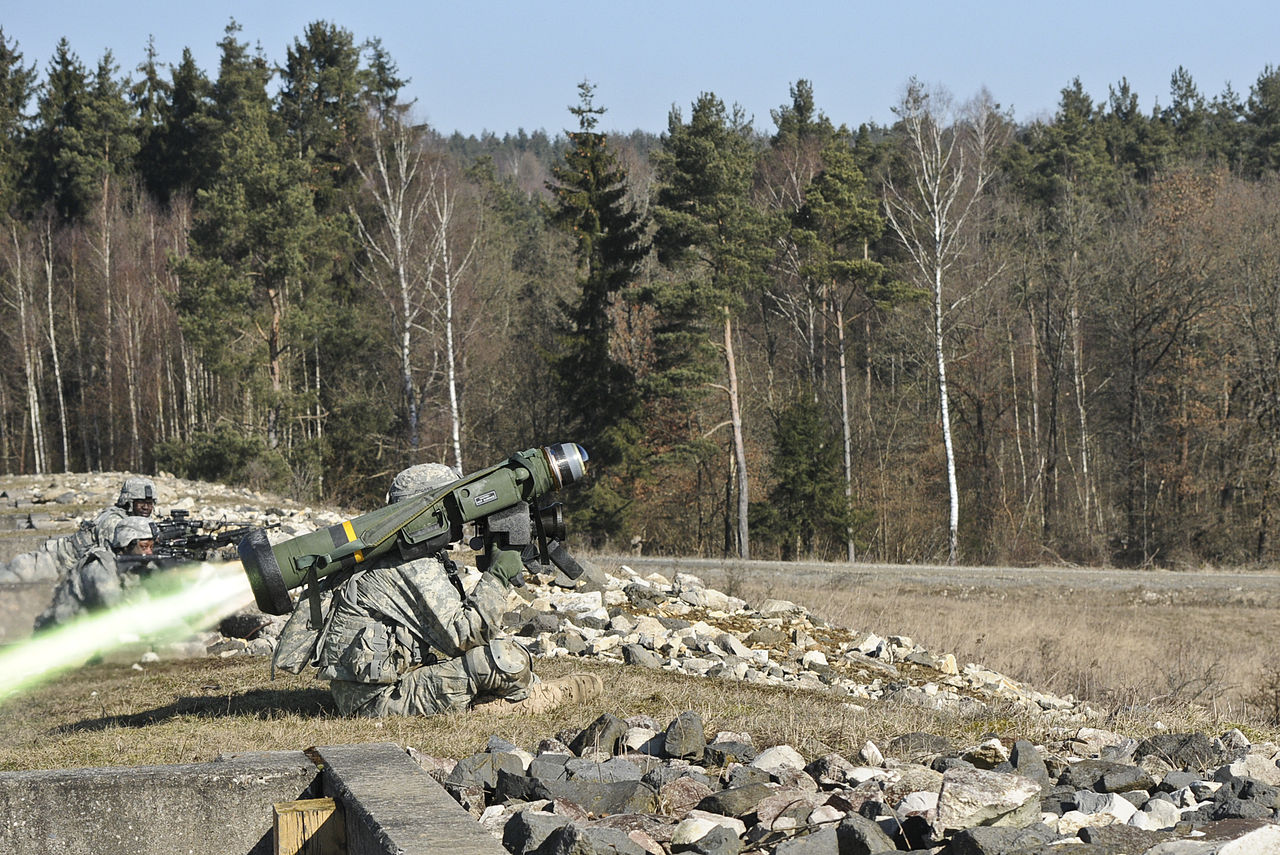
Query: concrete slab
[[393, 806], [223, 806]]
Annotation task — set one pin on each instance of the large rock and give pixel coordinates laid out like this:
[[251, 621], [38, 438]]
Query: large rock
[[685, 738], [972, 797]]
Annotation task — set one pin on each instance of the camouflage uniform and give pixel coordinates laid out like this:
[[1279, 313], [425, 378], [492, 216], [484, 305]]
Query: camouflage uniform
[[95, 582], [401, 637], [402, 640], [58, 555], [134, 490]]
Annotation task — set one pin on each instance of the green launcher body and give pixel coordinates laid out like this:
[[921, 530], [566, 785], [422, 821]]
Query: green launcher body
[[497, 499]]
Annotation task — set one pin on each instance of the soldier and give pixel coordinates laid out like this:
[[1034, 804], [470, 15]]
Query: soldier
[[58, 555], [137, 499], [96, 581], [403, 638]]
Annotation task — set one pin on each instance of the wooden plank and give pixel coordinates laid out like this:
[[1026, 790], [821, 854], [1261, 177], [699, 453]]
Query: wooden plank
[[308, 827]]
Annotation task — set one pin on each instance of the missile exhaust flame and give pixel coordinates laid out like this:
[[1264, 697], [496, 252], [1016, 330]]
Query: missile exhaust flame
[[179, 601]]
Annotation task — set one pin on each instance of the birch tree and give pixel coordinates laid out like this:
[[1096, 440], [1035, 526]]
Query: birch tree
[[393, 234], [947, 165]]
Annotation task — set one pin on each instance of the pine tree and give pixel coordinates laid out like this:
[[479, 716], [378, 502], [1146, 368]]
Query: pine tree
[[319, 104], [17, 85], [250, 245], [176, 156], [58, 136], [714, 242], [597, 386], [806, 513]]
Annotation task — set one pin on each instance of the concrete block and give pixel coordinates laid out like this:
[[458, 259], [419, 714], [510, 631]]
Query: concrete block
[[392, 805], [223, 806]]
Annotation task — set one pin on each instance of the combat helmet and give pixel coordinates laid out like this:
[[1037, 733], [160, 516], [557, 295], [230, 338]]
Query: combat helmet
[[419, 479], [136, 489], [131, 529]]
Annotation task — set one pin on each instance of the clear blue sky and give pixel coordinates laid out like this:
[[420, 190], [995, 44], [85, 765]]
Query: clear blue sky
[[480, 65]]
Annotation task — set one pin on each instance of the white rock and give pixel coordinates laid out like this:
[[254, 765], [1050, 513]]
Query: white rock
[[1156, 815], [690, 830], [777, 758], [778, 608], [871, 645], [812, 658], [1259, 841], [1073, 820], [825, 814], [978, 797], [736, 825], [921, 802], [688, 581], [1112, 805], [1256, 766]]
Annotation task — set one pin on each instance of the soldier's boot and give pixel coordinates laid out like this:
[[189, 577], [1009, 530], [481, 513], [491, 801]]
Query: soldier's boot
[[548, 694]]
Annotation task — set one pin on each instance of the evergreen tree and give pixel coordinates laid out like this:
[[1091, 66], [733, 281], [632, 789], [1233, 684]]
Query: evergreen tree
[[58, 136], [597, 386], [714, 242], [381, 80], [1138, 145], [319, 104], [708, 235], [250, 245], [177, 151], [1187, 117], [17, 85], [1228, 130], [806, 514], [85, 135], [1262, 119], [111, 132]]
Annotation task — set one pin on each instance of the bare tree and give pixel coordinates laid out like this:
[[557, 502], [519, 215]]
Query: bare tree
[[444, 286], [948, 165], [401, 185], [46, 251], [419, 260], [20, 297]]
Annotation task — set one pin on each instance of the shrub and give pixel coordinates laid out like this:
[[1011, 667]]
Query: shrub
[[224, 455]]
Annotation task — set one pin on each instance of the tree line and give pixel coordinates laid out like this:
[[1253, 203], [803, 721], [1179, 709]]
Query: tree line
[[954, 338]]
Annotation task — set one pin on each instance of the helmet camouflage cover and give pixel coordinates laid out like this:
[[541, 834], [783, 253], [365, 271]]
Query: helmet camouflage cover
[[130, 529], [135, 489], [419, 479]]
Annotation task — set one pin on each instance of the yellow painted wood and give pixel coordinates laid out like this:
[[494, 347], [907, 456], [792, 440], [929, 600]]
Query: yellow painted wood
[[308, 827]]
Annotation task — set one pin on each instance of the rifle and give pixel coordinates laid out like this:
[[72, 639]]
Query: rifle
[[180, 537], [145, 565]]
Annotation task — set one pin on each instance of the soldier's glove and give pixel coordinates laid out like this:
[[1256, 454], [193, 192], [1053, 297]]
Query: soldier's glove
[[508, 567]]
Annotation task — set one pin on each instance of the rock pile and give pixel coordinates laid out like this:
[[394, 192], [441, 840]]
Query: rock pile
[[633, 786]]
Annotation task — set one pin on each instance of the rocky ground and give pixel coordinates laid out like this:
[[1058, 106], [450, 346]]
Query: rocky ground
[[633, 785]]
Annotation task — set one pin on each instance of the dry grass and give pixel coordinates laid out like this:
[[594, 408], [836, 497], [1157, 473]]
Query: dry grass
[[1188, 664], [1117, 650], [186, 712]]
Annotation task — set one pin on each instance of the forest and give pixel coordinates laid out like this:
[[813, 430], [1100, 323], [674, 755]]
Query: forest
[[958, 338]]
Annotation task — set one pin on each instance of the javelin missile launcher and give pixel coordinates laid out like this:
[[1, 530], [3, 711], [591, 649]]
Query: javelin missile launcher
[[502, 502]]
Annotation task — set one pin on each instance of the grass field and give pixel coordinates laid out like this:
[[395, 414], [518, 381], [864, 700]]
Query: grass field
[[1138, 659]]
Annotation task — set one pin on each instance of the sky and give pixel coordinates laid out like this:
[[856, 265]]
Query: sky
[[484, 65]]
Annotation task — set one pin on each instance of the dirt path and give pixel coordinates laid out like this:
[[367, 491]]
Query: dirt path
[[1226, 583]]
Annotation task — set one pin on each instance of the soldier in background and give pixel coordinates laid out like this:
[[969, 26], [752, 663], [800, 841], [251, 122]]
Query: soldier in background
[[137, 499], [57, 555], [402, 637], [96, 581]]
